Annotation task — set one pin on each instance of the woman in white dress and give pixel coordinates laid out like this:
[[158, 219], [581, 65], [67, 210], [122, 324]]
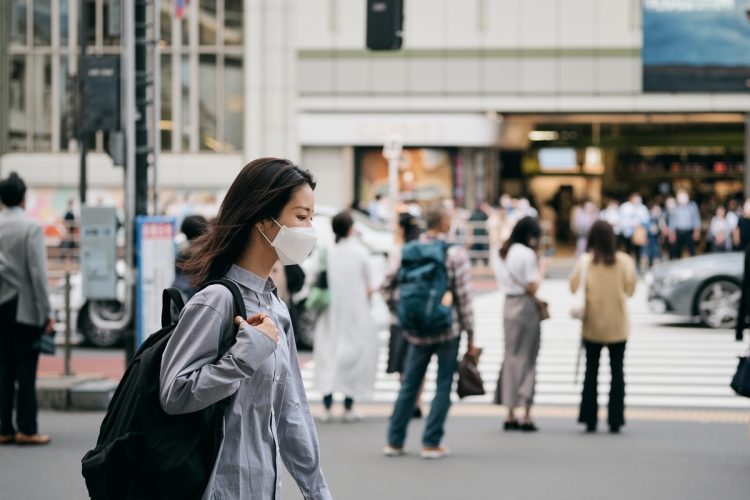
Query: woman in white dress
[[346, 342]]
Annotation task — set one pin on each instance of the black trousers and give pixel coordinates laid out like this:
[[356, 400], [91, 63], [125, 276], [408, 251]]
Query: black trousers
[[589, 404], [684, 239], [19, 357]]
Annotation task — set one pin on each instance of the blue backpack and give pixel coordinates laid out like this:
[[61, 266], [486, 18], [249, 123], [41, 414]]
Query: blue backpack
[[422, 282]]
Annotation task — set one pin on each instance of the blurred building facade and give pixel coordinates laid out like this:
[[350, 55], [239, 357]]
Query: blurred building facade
[[490, 96]]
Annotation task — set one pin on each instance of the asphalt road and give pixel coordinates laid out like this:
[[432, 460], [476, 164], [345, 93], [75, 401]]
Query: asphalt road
[[649, 460]]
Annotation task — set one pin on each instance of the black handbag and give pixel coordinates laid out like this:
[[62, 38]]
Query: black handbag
[[741, 380], [45, 344], [469, 379]]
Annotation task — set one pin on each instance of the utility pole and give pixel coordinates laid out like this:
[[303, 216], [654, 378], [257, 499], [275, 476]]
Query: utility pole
[[82, 146]]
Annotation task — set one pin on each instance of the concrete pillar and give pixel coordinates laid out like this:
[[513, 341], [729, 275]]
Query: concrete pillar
[[270, 80]]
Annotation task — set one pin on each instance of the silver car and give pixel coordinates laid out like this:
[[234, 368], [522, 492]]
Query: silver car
[[705, 287]]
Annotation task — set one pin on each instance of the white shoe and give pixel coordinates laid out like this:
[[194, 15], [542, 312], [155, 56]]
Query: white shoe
[[390, 451], [434, 453], [326, 417], [351, 416]]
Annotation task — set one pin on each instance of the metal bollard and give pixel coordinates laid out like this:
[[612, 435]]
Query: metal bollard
[[68, 330]]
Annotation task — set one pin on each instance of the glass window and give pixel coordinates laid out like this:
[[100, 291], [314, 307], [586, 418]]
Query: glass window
[[18, 118], [90, 18], [41, 88], [207, 104], [67, 105], [235, 104], [42, 22], [185, 26], [187, 126], [207, 22], [64, 19], [167, 11], [112, 25], [166, 124], [18, 10], [233, 22]]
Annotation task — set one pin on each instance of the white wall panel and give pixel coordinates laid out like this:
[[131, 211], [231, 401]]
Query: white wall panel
[[539, 23], [351, 75], [461, 24], [335, 176], [463, 76], [424, 23], [615, 75], [576, 21], [539, 76], [503, 23], [311, 21], [618, 23], [501, 76], [425, 75], [388, 76], [577, 75], [315, 75], [350, 22]]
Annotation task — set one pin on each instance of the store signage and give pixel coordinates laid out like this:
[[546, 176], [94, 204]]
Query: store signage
[[696, 45]]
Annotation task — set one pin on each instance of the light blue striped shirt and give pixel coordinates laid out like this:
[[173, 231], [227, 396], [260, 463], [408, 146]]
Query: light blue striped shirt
[[268, 419]]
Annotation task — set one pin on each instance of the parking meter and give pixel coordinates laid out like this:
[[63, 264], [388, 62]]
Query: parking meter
[[98, 239]]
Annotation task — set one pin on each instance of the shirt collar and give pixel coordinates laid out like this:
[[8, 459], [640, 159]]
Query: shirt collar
[[437, 237], [250, 280]]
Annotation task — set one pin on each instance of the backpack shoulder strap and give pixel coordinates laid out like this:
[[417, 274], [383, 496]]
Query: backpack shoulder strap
[[238, 309], [168, 297], [239, 302]]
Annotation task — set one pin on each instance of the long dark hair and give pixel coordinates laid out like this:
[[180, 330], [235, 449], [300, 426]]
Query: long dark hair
[[259, 192], [602, 243], [525, 230]]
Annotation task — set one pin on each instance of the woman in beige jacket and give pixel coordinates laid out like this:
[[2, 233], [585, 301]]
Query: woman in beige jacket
[[610, 281]]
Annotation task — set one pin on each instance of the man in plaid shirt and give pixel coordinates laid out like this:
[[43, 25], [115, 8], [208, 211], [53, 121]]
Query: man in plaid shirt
[[443, 344]]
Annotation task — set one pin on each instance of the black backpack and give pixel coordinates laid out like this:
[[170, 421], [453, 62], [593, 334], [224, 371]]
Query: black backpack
[[142, 452]]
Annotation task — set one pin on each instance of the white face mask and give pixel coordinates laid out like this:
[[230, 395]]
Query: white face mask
[[293, 244], [683, 199]]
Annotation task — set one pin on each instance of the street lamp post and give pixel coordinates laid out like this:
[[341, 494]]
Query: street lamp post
[[392, 148]]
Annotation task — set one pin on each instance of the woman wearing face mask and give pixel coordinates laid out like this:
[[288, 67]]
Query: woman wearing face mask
[[346, 343], [266, 216]]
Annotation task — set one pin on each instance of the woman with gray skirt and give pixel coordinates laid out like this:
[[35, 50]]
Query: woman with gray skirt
[[520, 274]]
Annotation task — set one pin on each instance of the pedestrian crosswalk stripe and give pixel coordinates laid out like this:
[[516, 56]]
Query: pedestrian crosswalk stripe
[[664, 367]]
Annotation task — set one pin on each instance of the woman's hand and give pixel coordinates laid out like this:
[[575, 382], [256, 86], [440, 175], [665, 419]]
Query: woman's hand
[[263, 323]]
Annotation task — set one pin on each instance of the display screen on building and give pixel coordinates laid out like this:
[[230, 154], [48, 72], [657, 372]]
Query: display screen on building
[[696, 45]]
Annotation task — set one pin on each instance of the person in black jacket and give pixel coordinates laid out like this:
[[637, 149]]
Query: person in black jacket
[[742, 314]]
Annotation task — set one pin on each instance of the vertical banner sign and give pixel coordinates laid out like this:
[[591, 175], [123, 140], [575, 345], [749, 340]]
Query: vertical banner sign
[[155, 254]]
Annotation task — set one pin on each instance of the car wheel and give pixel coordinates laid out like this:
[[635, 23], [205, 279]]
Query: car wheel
[[717, 303], [100, 337]]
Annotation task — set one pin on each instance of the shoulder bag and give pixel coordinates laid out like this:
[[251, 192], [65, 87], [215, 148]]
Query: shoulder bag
[[578, 308], [540, 304]]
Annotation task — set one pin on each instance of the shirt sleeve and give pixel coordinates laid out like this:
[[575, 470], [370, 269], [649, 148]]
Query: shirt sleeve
[[193, 376], [296, 430], [695, 216], [462, 289], [37, 267], [530, 267]]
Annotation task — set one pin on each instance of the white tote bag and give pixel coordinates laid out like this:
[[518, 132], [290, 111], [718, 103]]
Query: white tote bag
[[578, 308]]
